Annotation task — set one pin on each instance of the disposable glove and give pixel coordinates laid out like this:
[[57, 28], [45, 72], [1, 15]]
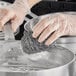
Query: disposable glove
[[15, 13], [53, 26]]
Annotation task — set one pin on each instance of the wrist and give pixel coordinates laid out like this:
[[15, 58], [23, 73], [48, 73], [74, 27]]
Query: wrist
[[71, 21], [21, 5]]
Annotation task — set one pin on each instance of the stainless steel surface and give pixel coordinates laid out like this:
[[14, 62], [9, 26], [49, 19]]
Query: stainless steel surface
[[9, 35], [59, 62], [67, 42], [70, 45]]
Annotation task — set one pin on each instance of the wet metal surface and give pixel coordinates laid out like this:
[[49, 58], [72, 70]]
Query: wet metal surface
[[71, 45]]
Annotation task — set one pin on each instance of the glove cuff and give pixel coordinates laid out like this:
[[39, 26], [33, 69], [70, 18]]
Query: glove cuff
[[22, 5]]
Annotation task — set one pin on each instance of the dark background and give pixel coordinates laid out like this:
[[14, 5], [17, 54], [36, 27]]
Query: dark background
[[46, 0]]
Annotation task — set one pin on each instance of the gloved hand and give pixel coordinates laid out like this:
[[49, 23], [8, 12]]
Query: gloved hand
[[15, 12], [54, 26]]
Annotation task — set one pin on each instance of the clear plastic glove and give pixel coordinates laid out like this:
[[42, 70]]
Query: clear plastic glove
[[15, 13], [54, 26]]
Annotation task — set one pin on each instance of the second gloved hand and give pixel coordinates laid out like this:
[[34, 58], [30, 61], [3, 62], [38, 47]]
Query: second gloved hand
[[54, 26]]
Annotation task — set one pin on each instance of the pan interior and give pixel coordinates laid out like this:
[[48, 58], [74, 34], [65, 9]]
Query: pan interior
[[53, 57]]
